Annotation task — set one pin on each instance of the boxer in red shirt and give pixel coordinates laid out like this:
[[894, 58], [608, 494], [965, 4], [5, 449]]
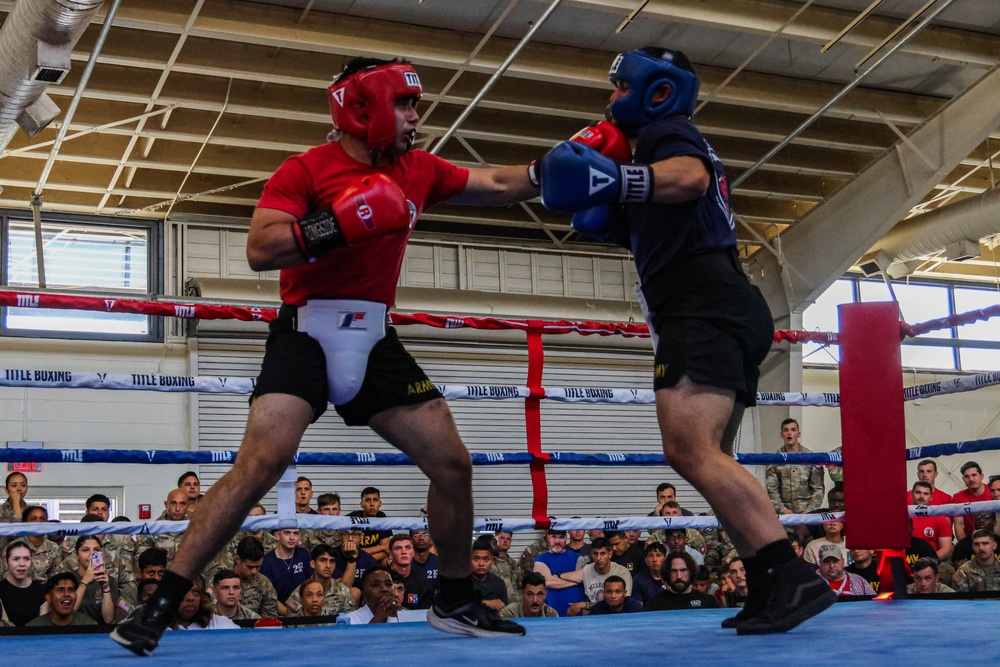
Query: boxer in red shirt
[[335, 220]]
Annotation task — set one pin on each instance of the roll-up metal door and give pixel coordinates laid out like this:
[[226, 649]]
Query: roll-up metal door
[[501, 491]]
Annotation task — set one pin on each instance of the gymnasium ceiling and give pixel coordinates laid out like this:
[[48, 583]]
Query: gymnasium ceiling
[[194, 103]]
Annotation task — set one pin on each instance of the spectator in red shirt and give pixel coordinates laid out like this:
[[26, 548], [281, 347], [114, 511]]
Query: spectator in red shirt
[[974, 491], [935, 530], [927, 472], [994, 487]]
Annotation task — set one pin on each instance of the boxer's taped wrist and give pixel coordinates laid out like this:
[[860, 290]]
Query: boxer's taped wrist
[[636, 183], [318, 233], [534, 175]]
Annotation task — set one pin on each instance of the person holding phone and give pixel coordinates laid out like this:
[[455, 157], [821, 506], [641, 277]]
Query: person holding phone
[[96, 594]]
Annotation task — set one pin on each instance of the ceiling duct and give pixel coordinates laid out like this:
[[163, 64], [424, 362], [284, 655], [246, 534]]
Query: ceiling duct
[[951, 228], [35, 45]]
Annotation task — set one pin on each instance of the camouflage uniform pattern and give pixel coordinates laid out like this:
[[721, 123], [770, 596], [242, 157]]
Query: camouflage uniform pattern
[[503, 569], [170, 542], [795, 487], [941, 588], [44, 560], [8, 514], [310, 539], [532, 552], [72, 564], [718, 548], [121, 549], [259, 596], [338, 600], [516, 610], [695, 539], [243, 613], [836, 472], [973, 577]]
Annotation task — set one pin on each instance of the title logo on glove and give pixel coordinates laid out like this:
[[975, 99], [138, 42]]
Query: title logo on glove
[[365, 213]]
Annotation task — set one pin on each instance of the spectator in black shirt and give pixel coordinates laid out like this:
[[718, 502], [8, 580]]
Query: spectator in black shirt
[[630, 556], [375, 542], [492, 587], [646, 585], [615, 600], [418, 589], [20, 596], [679, 572], [865, 566]]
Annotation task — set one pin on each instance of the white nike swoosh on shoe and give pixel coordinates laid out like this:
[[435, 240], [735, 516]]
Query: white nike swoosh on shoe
[[471, 621]]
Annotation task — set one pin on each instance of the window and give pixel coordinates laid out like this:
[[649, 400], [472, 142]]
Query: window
[[97, 254], [822, 315], [975, 359], [918, 303], [973, 347]]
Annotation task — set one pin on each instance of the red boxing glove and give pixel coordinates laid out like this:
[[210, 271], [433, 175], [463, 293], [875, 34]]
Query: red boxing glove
[[605, 137], [369, 207]]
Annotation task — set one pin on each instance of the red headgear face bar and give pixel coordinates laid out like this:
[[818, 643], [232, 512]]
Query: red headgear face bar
[[364, 103]]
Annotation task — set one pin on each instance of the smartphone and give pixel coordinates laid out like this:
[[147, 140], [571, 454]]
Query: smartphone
[[97, 559]]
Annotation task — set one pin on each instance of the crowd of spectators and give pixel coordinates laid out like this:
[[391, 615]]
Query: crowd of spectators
[[361, 576]]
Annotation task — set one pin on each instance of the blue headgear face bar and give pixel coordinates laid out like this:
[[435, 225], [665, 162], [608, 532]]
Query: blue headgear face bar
[[644, 74]]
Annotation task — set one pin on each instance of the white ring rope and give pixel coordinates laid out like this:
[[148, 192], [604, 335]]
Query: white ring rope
[[518, 525]]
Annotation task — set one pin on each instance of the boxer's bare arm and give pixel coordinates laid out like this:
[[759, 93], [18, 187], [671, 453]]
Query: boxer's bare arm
[[271, 244], [496, 186]]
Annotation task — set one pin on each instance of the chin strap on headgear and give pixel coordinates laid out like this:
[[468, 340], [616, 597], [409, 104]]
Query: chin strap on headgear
[[364, 103], [645, 73]]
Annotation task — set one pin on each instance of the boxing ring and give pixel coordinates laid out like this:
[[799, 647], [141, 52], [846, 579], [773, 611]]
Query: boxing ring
[[847, 634], [851, 631]]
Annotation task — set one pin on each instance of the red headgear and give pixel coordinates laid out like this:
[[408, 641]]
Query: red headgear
[[364, 102]]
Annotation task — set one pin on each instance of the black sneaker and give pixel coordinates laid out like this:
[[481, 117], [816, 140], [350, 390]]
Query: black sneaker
[[141, 630], [472, 619], [751, 609], [797, 594]]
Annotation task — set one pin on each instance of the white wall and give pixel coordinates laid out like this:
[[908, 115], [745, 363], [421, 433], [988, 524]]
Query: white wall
[[99, 419], [929, 421]]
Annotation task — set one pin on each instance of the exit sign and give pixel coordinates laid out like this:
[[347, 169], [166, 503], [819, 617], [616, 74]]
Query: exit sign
[[24, 467]]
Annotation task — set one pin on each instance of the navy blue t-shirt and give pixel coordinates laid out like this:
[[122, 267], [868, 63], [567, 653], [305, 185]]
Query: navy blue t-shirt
[[365, 561], [286, 575], [662, 234], [429, 569]]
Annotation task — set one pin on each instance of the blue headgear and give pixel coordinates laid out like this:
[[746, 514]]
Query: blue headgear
[[644, 74]]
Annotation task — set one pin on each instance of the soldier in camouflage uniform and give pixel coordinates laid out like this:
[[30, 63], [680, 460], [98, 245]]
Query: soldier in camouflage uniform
[[794, 489], [45, 554], [531, 552], [658, 536], [530, 600], [258, 592], [504, 566], [718, 548], [982, 573], [227, 595], [176, 506], [337, 598], [12, 509]]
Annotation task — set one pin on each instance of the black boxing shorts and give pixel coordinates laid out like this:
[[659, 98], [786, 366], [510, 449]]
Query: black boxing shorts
[[294, 363], [713, 325]]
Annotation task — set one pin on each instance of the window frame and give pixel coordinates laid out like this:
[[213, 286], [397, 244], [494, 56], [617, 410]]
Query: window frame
[[154, 273]]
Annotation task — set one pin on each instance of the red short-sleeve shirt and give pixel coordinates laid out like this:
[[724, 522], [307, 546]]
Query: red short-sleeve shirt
[[965, 496], [370, 270]]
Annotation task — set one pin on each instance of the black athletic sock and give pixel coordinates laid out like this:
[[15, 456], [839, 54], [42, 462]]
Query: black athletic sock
[[455, 590], [173, 587], [772, 555], [757, 584]]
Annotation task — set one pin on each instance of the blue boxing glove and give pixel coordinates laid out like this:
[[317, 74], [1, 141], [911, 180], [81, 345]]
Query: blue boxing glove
[[575, 177], [606, 223]]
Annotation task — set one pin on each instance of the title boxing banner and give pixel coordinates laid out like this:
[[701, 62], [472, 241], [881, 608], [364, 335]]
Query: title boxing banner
[[62, 379]]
